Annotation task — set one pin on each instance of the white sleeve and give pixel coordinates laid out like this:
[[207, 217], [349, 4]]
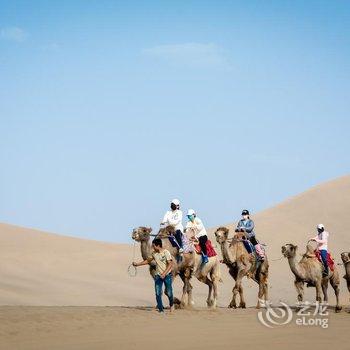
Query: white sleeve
[[199, 224], [324, 238], [165, 218]]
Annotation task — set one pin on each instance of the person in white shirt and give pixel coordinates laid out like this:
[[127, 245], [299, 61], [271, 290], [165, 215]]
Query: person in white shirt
[[173, 217], [322, 245], [195, 225]]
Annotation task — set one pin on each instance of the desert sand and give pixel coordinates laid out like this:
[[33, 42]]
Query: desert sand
[[105, 328], [60, 292]]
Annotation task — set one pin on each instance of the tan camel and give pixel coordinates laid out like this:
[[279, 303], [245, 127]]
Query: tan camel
[[190, 265], [237, 259], [346, 261], [309, 270]]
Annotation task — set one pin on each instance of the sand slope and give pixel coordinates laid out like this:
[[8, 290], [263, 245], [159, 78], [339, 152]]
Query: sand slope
[[38, 268]]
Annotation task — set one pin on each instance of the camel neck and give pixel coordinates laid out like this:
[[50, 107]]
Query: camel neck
[[145, 249], [294, 267], [226, 253]]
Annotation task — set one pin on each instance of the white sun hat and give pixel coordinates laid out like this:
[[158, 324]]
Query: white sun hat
[[191, 212], [320, 226], [175, 201]]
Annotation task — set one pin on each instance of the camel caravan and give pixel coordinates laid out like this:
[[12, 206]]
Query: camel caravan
[[187, 253]]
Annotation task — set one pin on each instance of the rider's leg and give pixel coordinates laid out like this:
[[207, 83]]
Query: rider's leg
[[323, 253], [258, 249], [203, 244], [178, 237], [253, 240], [247, 246]]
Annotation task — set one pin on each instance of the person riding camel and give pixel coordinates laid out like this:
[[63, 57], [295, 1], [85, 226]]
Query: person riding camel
[[173, 217], [199, 232], [322, 245], [246, 225]]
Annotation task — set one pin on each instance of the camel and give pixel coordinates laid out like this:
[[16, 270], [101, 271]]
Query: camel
[[309, 270], [236, 258], [346, 261], [190, 265]]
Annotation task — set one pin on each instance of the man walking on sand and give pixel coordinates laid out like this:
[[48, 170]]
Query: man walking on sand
[[164, 265]]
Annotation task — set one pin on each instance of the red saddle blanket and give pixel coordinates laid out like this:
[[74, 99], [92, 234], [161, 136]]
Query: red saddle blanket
[[210, 249], [330, 260]]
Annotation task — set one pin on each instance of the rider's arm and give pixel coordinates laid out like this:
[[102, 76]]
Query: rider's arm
[[250, 226], [199, 224], [165, 219], [321, 241]]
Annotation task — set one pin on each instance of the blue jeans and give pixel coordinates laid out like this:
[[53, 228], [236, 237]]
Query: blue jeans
[[176, 240], [248, 246], [323, 253], [158, 284]]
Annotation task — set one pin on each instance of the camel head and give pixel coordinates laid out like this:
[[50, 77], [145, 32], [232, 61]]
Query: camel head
[[141, 233], [221, 234], [345, 257], [289, 250]]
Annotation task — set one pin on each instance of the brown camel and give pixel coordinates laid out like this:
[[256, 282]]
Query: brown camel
[[309, 270], [237, 259], [346, 261], [190, 265]]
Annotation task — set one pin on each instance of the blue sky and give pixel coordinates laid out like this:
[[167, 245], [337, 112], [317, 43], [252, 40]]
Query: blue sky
[[109, 109]]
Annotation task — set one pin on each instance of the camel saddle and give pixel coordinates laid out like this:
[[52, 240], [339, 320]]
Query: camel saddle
[[330, 260], [210, 249]]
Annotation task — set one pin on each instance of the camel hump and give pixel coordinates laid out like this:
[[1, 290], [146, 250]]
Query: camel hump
[[165, 232], [239, 235]]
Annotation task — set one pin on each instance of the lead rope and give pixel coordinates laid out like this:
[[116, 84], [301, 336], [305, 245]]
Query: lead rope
[[132, 271], [277, 259]]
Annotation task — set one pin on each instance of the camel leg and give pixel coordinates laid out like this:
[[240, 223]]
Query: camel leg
[[299, 285], [261, 294], [324, 289], [184, 289], [335, 286], [266, 290], [215, 292], [318, 291], [348, 284], [215, 278], [190, 302], [241, 296], [209, 283], [236, 289], [233, 300]]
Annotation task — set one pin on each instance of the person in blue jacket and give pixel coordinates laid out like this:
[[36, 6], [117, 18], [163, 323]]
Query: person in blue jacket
[[246, 225]]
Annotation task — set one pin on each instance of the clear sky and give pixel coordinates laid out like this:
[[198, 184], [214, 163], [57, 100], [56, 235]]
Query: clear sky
[[109, 109]]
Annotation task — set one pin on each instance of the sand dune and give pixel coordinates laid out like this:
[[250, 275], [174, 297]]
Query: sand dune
[[38, 268]]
